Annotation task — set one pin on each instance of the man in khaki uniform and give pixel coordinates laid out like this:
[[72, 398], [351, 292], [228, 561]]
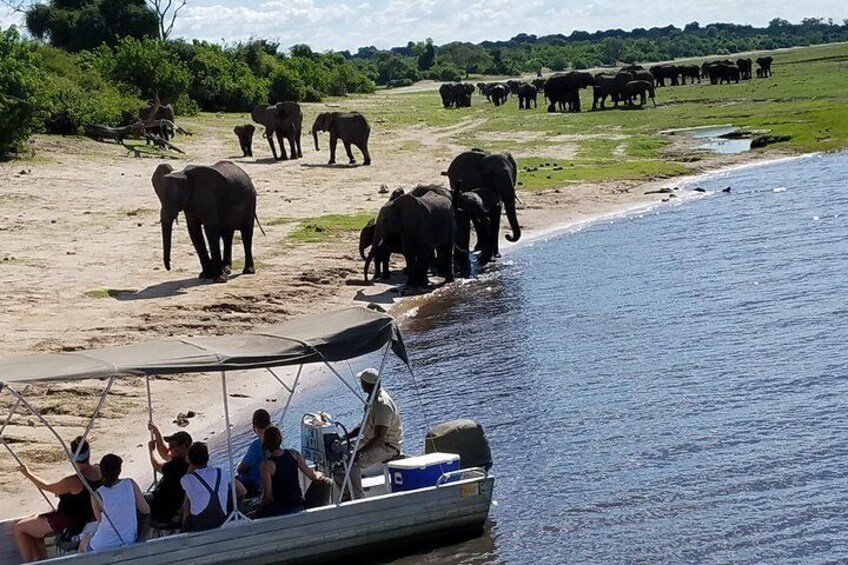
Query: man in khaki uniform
[[382, 432]]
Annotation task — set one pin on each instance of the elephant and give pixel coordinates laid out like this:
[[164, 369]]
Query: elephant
[[483, 87], [745, 66], [423, 220], [765, 64], [456, 95], [245, 136], [217, 200], [609, 85], [692, 72], [563, 89], [641, 75], [285, 120], [721, 73], [496, 172], [539, 83], [164, 112], [390, 246], [351, 127], [639, 88], [631, 69], [513, 85], [527, 93], [760, 73], [662, 73], [499, 94], [470, 209], [705, 68]]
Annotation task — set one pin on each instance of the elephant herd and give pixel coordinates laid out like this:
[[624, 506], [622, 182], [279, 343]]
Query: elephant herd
[[632, 85], [284, 120]]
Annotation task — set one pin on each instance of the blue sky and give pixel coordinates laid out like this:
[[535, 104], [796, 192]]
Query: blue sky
[[348, 24]]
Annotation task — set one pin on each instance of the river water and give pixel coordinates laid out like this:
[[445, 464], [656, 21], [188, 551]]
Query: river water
[[668, 387]]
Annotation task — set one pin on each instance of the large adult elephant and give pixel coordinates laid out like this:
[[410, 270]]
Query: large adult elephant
[[692, 72], [216, 200], [609, 85], [640, 88], [563, 90], [497, 172], [498, 94], [285, 120], [745, 68], [351, 127], [423, 220], [664, 73], [721, 73], [764, 63]]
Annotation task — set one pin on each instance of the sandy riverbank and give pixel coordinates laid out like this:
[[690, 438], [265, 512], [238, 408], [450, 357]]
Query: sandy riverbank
[[80, 267]]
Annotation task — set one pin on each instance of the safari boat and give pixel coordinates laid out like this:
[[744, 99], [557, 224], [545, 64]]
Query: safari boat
[[454, 503]]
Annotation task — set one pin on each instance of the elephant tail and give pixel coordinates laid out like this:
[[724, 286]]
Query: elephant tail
[[255, 217]]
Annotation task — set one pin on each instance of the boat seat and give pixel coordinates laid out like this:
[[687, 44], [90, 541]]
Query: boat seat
[[159, 529]]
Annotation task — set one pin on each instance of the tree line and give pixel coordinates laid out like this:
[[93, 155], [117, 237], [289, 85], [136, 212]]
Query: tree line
[[96, 61]]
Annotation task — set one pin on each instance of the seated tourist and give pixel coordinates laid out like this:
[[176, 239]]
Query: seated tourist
[[117, 524], [248, 469], [168, 457], [73, 511], [281, 493], [206, 490]]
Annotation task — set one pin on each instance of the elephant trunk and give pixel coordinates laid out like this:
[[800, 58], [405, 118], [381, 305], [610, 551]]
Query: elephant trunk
[[513, 221], [371, 258], [167, 222], [315, 137]]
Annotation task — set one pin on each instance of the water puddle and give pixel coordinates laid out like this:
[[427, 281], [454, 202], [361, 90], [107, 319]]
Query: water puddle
[[726, 139]]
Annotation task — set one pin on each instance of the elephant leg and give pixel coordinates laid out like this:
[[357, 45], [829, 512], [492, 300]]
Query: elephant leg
[[227, 238], [366, 155], [195, 232], [247, 242], [444, 259], [270, 138], [292, 146], [297, 140], [213, 236], [281, 141], [350, 157], [333, 140]]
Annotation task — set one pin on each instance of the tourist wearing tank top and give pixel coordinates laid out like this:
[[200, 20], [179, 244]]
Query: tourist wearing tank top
[[206, 489], [122, 501], [281, 493]]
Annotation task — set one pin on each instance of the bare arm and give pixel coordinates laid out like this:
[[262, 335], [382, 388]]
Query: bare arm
[[160, 442], [95, 507], [155, 461], [140, 504], [68, 485], [266, 470], [240, 488], [311, 473]]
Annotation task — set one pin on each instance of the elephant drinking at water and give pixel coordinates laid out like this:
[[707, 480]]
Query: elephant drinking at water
[[216, 200], [351, 127]]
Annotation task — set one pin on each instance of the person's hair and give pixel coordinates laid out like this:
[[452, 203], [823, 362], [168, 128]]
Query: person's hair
[[198, 454], [84, 453], [272, 438], [261, 419], [110, 468]]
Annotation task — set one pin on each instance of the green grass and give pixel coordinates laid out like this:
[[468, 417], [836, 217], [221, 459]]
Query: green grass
[[323, 228], [106, 293], [540, 173]]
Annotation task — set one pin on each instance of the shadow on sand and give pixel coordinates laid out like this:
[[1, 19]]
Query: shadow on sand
[[333, 166], [161, 290]]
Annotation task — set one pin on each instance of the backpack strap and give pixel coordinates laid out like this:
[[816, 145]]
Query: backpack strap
[[212, 493]]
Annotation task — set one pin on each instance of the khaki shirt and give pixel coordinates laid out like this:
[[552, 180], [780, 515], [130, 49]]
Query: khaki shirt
[[384, 413]]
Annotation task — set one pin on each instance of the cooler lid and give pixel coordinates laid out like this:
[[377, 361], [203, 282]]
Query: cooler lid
[[422, 461]]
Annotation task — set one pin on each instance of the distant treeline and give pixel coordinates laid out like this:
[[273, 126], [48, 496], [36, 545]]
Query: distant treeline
[[96, 61]]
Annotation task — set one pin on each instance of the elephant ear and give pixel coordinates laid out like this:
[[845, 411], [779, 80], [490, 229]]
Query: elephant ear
[[259, 115], [371, 222], [158, 177]]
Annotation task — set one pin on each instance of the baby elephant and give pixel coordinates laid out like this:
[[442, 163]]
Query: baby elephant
[[245, 136]]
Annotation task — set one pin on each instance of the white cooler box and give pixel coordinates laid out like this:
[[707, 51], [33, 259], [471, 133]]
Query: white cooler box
[[419, 472]]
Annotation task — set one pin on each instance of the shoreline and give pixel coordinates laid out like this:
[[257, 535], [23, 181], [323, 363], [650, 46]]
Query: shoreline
[[124, 421]]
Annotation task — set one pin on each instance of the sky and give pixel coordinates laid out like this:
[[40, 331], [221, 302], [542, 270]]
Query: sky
[[350, 24]]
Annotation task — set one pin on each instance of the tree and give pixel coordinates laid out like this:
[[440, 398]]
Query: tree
[[146, 65], [20, 83], [558, 62], [86, 24], [466, 56], [166, 14], [428, 57]]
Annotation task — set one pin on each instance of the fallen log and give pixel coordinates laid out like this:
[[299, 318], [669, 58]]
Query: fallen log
[[137, 130]]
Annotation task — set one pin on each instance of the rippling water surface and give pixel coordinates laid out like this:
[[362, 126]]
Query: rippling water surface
[[664, 388]]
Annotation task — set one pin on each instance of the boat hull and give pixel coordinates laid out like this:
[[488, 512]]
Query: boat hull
[[319, 535]]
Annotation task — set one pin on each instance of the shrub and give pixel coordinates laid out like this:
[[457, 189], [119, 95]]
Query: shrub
[[20, 92], [445, 73], [286, 85], [145, 66], [399, 82]]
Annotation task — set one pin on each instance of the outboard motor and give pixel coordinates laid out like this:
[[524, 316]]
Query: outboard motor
[[466, 438], [322, 441]]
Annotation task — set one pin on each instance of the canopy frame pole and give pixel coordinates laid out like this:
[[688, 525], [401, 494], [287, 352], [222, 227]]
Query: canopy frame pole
[[279, 380], [235, 515], [14, 455], [342, 379], [346, 484], [150, 421], [291, 395], [67, 450]]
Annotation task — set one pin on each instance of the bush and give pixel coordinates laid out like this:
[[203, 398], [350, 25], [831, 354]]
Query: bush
[[286, 85], [145, 66], [20, 92], [446, 73], [560, 63], [399, 82], [220, 82]]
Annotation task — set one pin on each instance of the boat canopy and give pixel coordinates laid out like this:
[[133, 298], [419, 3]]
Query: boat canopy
[[334, 336]]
